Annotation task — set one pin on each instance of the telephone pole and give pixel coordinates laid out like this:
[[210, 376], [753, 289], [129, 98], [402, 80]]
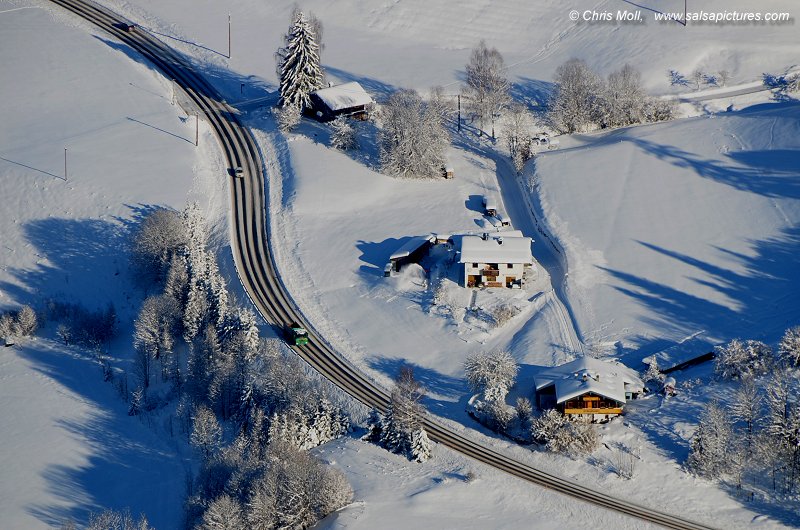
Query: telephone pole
[[196, 129], [229, 35]]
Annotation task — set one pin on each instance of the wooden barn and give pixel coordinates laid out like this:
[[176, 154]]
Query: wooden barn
[[348, 99]]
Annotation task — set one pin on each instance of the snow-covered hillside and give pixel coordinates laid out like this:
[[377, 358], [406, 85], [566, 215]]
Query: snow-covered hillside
[[421, 43], [668, 229], [67, 444], [680, 228]]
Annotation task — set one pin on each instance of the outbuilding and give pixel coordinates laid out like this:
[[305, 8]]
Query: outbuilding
[[348, 99]]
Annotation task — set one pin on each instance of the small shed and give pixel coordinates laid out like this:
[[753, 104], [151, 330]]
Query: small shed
[[412, 251], [348, 99]]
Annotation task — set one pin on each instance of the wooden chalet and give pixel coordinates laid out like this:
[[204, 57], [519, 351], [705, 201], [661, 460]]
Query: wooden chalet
[[587, 388]]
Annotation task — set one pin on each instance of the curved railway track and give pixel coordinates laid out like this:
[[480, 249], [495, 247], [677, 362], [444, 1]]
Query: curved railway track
[[258, 274]]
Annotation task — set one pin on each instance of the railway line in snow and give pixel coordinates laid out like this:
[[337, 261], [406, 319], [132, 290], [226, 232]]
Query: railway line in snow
[[259, 276]]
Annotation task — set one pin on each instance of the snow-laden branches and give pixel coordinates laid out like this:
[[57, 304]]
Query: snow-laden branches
[[300, 70], [491, 373], [583, 100], [413, 139], [486, 88]]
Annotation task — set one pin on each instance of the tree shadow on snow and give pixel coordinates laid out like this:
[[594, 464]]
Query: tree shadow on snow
[[434, 383], [764, 291], [128, 466]]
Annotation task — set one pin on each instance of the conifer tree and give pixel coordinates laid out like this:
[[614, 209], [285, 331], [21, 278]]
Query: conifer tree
[[300, 70]]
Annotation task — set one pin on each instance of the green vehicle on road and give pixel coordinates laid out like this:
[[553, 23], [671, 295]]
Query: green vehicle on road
[[297, 334]]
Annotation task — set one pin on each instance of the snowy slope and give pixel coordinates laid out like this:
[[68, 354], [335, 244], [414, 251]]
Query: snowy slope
[[421, 43], [682, 227], [68, 446]]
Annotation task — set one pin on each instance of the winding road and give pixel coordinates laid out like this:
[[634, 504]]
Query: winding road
[[260, 280]]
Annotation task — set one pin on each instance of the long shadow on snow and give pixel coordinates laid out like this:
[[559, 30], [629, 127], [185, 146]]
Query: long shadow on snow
[[128, 467], [764, 291], [454, 390]]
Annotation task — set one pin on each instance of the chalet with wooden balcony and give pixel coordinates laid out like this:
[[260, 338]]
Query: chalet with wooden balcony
[[494, 260], [587, 388]]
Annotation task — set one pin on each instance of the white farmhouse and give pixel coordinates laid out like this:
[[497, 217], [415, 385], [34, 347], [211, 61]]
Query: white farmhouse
[[494, 260]]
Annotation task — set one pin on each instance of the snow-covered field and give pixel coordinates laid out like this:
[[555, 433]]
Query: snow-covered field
[[680, 228], [68, 446], [688, 227]]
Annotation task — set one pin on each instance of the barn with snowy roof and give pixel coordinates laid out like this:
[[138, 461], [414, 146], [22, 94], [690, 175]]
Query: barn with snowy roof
[[348, 99], [587, 388]]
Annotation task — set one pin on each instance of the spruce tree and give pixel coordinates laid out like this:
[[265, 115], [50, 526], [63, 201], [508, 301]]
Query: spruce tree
[[301, 73]]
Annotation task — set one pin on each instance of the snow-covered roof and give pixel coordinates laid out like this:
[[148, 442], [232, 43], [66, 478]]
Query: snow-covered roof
[[344, 96], [411, 245], [498, 247], [586, 374]]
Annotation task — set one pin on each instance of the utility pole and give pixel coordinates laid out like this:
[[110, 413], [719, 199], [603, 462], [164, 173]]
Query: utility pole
[[459, 113], [65, 164], [229, 35], [196, 129]]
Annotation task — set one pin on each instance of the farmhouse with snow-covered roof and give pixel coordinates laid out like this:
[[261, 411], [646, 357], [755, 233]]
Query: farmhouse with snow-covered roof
[[494, 260], [587, 387], [348, 99]]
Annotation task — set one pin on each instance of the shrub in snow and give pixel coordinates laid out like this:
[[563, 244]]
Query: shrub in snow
[[653, 372], [740, 358], [497, 415], [287, 117], [562, 435], [413, 139], [115, 520], [517, 126], [374, 427], [677, 79], [420, 446], [404, 415], [26, 322], [503, 313], [656, 109], [206, 431], [789, 347], [623, 463], [137, 402], [486, 89], [711, 443], [491, 373], [300, 70], [21, 323], [344, 135]]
